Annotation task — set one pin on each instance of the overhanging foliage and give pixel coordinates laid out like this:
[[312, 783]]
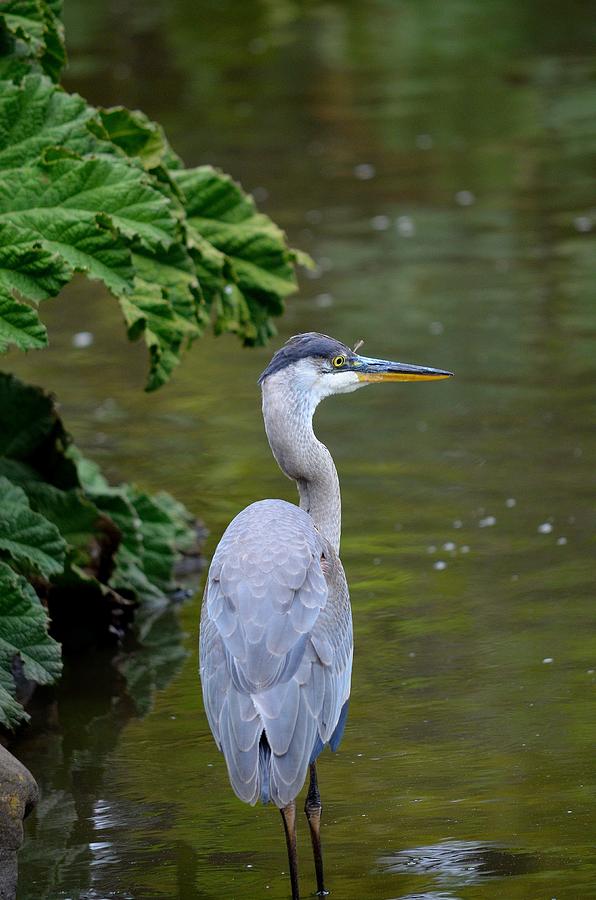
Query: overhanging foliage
[[101, 192], [63, 529]]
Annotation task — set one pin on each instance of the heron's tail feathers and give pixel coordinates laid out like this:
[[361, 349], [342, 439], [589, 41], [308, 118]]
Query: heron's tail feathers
[[267, 740]]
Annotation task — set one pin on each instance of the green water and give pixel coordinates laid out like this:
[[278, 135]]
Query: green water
[[437, 161]]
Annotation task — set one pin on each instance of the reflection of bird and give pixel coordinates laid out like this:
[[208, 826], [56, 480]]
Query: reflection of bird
[[276, 624]]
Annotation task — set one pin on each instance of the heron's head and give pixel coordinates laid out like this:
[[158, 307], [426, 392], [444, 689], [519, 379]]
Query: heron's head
[[318, 365]]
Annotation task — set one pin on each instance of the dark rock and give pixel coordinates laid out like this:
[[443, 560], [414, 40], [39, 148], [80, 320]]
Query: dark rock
[[18, 795]]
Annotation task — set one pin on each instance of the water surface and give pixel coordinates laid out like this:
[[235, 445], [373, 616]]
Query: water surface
[[437, 162]]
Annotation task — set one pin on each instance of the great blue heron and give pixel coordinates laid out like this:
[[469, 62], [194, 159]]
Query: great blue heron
[[276, 624]]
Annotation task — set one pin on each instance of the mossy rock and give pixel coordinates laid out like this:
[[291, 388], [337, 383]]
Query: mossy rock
[[18, 796]]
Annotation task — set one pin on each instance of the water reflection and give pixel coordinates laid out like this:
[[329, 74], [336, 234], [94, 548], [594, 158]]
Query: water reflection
[[75, 728], [460, 863], [430, 895]]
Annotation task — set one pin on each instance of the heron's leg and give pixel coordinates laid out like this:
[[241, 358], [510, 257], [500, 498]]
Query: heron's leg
[[312, 808], [288, 814]]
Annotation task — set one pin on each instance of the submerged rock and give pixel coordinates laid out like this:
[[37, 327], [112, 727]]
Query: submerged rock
[[18, 795]]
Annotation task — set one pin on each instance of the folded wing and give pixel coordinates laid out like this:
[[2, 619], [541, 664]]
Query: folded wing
[[276, 648]]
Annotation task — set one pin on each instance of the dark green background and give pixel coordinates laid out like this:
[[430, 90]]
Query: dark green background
[[463, 745]]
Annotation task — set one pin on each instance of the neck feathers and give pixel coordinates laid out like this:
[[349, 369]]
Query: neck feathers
[[288, 413]]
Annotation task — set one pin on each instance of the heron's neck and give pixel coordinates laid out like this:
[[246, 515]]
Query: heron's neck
[[288, 416]]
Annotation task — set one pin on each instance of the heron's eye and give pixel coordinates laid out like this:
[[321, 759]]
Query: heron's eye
[[339, 361]]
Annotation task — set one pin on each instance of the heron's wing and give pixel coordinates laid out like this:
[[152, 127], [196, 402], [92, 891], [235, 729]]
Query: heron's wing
[[233, 718], [327, 683], [303, 716], [265, 591], [275, 648]]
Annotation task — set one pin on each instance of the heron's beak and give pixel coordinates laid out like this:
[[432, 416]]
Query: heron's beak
[[384, 370]]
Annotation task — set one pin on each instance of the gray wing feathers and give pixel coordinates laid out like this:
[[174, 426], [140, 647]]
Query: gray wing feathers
[[266, 589], [288, 770], [278, 709], [240, 746], [276, 647], [213, 670]]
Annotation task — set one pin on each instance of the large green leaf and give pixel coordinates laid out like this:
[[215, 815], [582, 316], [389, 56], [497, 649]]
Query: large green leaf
[[19, 325], [31, 432], [11, 711], [138, 137], [164, 308], [26, 418], [32, 33], [183, 527], [19, 473], [91, 550], [88, 472], [73, 514], [68, 189], [28, 540], [257, 259], [24, 21], [84, 240], [101, 192], [129, 576], [60, 213], [149, 313], [37, 114], [154, 530], [34, 116], [28, 267], [23, 635], [158, 533], [211, 264], [56, 219], [175, 273]]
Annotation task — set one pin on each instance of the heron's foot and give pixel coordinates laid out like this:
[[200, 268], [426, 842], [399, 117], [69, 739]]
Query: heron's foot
[[322, 893]]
